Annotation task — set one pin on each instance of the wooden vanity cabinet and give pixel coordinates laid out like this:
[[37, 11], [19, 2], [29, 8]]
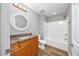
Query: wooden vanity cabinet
[[26, 48], [34, 46], [14, 46]]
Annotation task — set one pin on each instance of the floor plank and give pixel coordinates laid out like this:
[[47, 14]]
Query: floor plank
[[51, 51]]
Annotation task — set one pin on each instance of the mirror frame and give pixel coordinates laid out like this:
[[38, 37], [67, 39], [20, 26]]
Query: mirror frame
[[12, 21]]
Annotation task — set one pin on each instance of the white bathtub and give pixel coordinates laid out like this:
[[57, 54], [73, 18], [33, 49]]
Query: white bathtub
[[58, 43]]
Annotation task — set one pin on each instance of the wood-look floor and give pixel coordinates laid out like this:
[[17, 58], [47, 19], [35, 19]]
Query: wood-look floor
[[52, 51]]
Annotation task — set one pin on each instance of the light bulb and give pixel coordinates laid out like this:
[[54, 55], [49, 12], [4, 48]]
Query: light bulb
[[24, 8], [15, 4], [20, 6]]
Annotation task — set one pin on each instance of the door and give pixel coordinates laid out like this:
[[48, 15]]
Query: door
[[75, 29]]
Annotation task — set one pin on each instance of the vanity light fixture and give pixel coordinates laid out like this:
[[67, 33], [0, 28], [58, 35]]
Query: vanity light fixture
[[19, 6]]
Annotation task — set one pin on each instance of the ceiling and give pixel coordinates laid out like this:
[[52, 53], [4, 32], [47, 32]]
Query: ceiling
[[49, 9]]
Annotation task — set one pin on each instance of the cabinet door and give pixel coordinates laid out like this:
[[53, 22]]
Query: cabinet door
[[14, 46], [34, 46], [23, 51]]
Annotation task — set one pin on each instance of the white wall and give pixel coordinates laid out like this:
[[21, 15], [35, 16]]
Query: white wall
[[75, 29], [69, 15], [34, 20]]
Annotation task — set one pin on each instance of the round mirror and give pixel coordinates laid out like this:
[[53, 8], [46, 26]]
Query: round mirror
[[19, 21]]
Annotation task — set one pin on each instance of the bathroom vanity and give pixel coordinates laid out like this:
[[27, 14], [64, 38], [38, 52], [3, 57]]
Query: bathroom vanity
[[24, 45]]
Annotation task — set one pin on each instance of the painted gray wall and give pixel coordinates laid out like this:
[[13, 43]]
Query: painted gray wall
[[4, 28], [34, 20], [0, 27], [42, 20]]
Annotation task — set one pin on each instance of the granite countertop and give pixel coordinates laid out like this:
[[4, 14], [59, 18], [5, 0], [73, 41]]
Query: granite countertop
[[16, 39]]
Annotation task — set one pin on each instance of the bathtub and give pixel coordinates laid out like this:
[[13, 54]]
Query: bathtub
[[58, 43]]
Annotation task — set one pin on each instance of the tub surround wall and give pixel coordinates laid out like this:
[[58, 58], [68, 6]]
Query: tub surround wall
[[34, 20], [52, 33], [56, 18]]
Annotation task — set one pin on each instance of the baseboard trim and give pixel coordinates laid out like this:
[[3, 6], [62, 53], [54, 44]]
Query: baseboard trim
[[57, 48]]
